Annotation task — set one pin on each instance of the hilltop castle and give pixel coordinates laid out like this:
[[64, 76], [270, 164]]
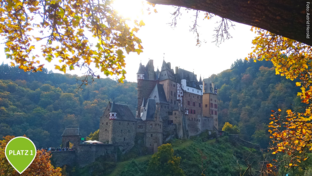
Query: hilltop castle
[[170, 104]]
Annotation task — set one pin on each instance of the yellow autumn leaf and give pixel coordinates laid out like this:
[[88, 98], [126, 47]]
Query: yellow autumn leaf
[[141, 23], [57, 67], [298, 84]]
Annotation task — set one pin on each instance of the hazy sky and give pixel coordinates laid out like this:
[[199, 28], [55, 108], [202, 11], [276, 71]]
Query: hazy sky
[[178, 44]]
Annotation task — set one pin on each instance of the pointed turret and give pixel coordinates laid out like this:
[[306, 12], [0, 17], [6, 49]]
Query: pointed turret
[[163, 66], [141, 72]]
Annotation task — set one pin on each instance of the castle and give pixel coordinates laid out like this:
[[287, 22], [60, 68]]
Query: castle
[[170, 104]]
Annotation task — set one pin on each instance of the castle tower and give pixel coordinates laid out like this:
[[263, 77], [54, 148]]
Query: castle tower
[[150, 70], [210, 101], [71, 135], [146, 83]]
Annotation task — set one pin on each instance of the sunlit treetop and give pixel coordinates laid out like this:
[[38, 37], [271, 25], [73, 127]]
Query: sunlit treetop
[[64, 28]]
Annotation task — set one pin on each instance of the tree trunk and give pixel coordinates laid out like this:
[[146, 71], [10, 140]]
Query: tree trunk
[[284, 17]]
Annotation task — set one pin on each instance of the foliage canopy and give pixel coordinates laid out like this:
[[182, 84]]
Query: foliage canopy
[[63, 28], [164, 162]]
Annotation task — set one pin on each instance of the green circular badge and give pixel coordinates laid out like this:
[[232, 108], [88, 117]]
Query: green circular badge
[[20, 152]]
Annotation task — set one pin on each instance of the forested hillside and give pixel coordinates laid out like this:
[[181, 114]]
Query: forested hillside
[[247, 94], [42, 104]]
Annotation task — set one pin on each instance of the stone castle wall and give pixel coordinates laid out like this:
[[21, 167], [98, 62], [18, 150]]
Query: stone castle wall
[[105, 134], [170, 88], [87, 154], [84, 154], [62, 158], [123, 132], [153, 134], [192, 102]]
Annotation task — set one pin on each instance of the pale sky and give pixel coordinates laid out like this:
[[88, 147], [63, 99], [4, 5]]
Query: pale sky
[[178, 44]]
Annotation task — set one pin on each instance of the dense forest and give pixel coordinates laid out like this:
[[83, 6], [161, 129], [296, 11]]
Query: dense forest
[[42, 104], [248, 92]]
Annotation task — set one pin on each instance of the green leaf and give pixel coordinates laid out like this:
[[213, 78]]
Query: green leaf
[[49, 58], [61, 12], [71, 67]]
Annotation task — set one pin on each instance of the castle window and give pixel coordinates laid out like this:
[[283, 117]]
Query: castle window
[[194, 111], [173, 85], [155, 96], [124, 139], [171, 101], [216, 106], [175, 94], [106, 123], [211, 112], [206, 105], [216, 113], [198, 104], [211, 105], [193, 103], [140, 127], [151, 125], [102, 123], [171, 92], [113, 114], [188, 103], [151, 135], [175, 113]]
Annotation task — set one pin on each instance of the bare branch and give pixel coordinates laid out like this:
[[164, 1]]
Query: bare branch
[[222, 31]]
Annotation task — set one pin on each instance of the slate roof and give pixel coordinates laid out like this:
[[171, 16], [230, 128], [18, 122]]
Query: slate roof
[[71, 132], [190, 78], [166, 72], [123, 111], [147, 88], [142, 69], [160, 94], [150, 108]]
